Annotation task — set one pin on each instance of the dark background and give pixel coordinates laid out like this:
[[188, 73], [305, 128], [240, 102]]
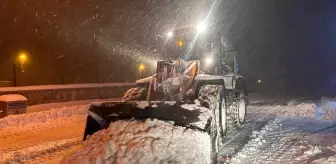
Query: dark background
[[289, 44]]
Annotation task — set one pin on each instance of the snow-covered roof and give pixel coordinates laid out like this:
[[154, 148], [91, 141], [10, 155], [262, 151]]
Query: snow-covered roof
[[12, 97], [67, 86]]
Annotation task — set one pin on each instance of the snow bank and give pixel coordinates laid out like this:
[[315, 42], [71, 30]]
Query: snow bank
[[44, 116], [149, 141], [314, 154], [329, 159], [310, 111], [314, 151], [305, 110]]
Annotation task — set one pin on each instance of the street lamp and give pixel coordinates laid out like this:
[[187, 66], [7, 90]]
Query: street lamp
[[22, 58], [141, 69], [180, 43]]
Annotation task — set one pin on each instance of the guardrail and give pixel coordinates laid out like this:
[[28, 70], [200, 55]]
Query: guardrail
[[6, 83], [71, 92], [66, 86]]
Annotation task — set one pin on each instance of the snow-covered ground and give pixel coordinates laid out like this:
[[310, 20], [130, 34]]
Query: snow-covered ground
[[289, 140], [275, 132], [46, 133], [46, 130], [28, 154], [296, 134], [39, 118]]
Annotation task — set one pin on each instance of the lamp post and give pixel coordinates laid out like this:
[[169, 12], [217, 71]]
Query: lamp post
[[14, 75], [22, 58], [141, 69]]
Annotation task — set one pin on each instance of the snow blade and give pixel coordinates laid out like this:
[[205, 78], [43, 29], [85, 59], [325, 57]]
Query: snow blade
[[186, 115]]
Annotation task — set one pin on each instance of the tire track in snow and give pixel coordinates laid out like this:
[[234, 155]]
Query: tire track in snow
[[257, 118], [24, 154]]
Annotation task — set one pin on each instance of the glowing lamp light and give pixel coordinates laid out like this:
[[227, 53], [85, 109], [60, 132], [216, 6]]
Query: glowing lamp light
[[259, 81], [170, 34], [201, 27], [180, 43], [208, 61], [22, 56], [141, 67]]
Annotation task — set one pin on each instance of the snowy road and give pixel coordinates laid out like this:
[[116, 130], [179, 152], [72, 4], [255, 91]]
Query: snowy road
[[277, 133], [44, 135], [274, 133]]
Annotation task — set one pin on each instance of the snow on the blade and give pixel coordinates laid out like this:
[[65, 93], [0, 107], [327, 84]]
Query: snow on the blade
[[206, 114], [150, 141], [142, 104]]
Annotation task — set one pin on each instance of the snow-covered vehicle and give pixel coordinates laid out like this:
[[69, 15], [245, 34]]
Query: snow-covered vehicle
[[181, 90]]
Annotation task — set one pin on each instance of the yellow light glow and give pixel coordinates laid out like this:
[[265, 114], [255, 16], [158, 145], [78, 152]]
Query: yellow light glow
[[259, 81], [180, 43], [22, 56], [141, 67]]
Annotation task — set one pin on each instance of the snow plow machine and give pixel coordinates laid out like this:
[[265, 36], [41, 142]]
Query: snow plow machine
[[203, 92]]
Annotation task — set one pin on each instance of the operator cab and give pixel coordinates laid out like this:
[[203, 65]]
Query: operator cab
[[188, 44], [184, 43]]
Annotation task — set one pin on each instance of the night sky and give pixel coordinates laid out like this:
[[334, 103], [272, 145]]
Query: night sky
[[290, 44]]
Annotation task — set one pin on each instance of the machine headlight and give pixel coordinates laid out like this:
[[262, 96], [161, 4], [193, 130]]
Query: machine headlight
[[201, 27], [208, 61], [170, 34]]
